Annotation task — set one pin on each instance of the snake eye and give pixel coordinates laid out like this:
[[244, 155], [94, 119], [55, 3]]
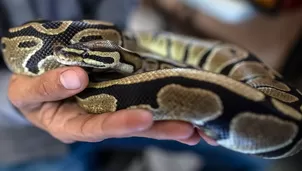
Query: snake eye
[[85, 54]]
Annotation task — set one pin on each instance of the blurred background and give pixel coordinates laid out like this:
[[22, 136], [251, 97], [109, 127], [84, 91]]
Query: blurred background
[[271, 29]]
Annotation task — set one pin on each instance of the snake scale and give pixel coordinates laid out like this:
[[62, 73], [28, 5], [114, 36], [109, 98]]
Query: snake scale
[[219, 87]]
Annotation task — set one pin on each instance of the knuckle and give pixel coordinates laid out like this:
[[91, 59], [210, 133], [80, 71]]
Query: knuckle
[[84, 127], [47, 119], [48, 114], [43, 88]]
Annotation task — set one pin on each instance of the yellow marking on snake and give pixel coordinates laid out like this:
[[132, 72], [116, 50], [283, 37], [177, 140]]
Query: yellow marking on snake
[[48, 63], [113, 55], [73, 50], [195, 54], [222, 56], [204, 105], [16, 56], [108, 34], [269, 133], [101, 103], [249, 69], [158, 45], [234, 86], [277, 94], [177, 50], [266, 81], [49, 31], [201, 105], [287, 110], [97, 22]]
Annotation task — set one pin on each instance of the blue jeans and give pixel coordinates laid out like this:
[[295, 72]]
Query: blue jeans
[[82, 157]]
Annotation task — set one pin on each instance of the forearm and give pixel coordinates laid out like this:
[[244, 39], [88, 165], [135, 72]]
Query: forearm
[[9, 116]]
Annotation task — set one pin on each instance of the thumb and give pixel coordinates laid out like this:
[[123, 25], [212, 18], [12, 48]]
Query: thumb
[[53, 85]]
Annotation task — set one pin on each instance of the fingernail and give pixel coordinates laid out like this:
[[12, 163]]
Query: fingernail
[[70, 80]]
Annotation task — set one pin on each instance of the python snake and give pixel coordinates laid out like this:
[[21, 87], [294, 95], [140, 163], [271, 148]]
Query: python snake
[[221, 88]]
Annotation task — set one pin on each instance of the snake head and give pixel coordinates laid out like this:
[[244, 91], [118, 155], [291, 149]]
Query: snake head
[[99, 54]]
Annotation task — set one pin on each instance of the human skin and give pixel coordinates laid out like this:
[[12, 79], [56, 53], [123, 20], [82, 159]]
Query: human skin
[[41, 100]]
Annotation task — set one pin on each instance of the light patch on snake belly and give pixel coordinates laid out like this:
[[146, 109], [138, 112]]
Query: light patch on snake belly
[[50, 31], [106, 34], [190, 104], [253, 133], [221, 80], [98, 104], [249, 69], [16, 56], [280, 95], [287, 110], [268, 82], [48, 63], [222, 56]]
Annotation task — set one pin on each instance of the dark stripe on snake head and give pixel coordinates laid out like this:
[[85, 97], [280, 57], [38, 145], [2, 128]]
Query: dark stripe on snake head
[[103, 59], [90, 38]]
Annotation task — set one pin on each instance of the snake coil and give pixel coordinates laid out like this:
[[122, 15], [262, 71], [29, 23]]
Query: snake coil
[[239, 101]]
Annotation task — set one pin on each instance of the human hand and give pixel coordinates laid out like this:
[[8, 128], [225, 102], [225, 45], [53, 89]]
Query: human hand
[[40, 100]]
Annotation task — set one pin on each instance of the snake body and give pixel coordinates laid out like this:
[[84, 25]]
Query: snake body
[[221, 88]]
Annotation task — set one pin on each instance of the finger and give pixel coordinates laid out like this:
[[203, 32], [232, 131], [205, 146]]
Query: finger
[[92, 127], [168, 130], [53, 85], [193, 140], [207, 139]]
